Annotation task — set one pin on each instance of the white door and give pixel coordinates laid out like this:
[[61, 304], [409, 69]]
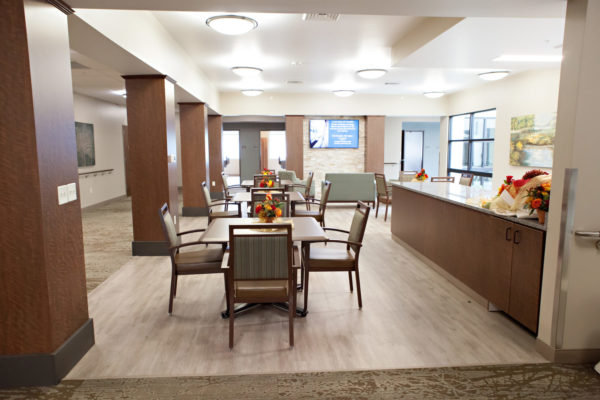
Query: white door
[[412, 151]]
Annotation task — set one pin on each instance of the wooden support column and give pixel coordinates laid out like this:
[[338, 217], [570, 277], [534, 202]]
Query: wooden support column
[[215, 136], [194, 157], [294, 126], [44, 324], [375, 137], [152, 159]]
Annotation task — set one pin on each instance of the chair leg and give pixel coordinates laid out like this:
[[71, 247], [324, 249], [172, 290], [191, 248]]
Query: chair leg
[[231, 317], [358, 287], [305, 290], [350, 280], [292, 310], [377, 208], [175, 291], [386, 210], [226, 292], [172, 293]]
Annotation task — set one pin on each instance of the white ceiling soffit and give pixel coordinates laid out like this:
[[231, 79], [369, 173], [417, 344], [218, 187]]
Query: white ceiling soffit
[[426, 8]]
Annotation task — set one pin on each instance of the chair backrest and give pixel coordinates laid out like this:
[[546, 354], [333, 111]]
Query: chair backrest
[[466, 179], [325, 188], [224, 178], [406, 176], [359, 224], [259, 255], [309, 180], [287, 175], [206, 193], [259, 178], [442, 179], [381, 185], [168, 226], [258, 196]]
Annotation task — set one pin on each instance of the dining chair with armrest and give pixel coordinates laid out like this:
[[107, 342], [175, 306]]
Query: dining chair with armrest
[[202, 261], [384, 194], [406, 176], [442, 179], [320, 259], [319, 214], [466, 179], [305, 188], [212, 214], [227, 187], [260, 269]]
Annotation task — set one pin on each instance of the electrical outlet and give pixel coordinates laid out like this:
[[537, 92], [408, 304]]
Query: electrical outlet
[[214, 183], [72, 191], [63, 195], [175, 219]]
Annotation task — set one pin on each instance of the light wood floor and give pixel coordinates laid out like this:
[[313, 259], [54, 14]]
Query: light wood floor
[[411, 317]]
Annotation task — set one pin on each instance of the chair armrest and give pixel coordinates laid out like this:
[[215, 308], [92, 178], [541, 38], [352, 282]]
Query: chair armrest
[[347, 242], [225, 262], [234, 186], [186, 245], [312, 201], [225, 202], [192, 231], [335, 229]]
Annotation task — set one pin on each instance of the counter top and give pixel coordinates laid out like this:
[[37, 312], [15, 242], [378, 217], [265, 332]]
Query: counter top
[[460, 195]]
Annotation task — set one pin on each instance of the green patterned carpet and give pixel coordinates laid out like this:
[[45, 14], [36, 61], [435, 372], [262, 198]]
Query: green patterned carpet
[[537, 381]]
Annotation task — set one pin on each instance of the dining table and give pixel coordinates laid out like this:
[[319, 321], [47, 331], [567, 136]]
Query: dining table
[[304, 229], [249, 183]]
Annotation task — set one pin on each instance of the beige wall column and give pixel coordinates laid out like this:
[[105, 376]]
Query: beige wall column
[[194, 157], [294, 144], [215, 134], [44, 324], [152, 159], [374, 141]]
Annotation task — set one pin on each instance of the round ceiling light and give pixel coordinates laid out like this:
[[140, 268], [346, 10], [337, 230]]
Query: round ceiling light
[[371, 73], [246, 71], [343, 93], [494, 75], [252, 92], [231, 24], [433, 95]]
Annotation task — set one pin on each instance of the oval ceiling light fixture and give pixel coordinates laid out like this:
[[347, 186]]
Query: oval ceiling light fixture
[[231, 24], [252, 92], [433, 95], [343, 93], [246, 71], [372, 73], [493, 75]]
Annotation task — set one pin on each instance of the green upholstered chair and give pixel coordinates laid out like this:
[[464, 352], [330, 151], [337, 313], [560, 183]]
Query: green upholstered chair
[[260, 269], [202, 261], [306, 186], [384, 194], [330, 258], [212, 214], [227, 195], [350, 187], [319, 214]]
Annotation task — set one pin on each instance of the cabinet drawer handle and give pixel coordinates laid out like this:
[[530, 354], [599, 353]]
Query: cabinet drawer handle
[[507, 236], [517, 238]]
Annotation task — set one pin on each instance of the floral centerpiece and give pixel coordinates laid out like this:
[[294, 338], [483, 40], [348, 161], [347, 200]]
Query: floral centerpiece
[[269, 209], [421, 176], [538, 199], [265, 171], [266, 183]]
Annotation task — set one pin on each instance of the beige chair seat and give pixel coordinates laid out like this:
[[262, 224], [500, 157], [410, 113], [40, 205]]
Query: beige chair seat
[[189, 262], [257, 289], [307, 213], [224, 214], [330, 257]]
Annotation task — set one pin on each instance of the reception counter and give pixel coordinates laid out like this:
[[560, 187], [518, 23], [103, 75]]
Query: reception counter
[[498, 257]]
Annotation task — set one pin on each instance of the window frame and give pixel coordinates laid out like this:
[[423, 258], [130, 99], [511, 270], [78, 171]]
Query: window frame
[[469, 141]]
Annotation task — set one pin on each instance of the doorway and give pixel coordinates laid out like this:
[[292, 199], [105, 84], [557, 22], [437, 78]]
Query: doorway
[[412, 151], [231, 155], [272, 150]]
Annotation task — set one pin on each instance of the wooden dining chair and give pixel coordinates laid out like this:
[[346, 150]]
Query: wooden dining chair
[[319, 214], [260, 269], [330, 258], [442, 179], [227, 187], [466, 179], [384, 194], [305, 188], [202, 261], [212, 214], [406, 176]]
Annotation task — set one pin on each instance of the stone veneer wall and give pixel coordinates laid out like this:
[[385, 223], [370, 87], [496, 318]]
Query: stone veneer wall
[[321, 161]]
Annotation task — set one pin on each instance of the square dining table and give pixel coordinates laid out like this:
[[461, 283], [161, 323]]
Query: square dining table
[[241, 197], [248, 183]]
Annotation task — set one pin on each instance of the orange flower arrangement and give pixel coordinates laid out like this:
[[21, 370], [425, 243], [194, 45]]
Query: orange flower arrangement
[[266, 183], [269, 209], [421, 176], [265, 172], [538, 198]]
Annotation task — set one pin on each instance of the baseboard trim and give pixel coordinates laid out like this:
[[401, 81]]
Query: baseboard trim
[[567, 356], [102, 203], [139, 248], [47, 369], [194, 211]]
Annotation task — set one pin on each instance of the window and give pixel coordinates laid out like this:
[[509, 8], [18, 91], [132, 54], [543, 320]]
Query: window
[[471, 146]]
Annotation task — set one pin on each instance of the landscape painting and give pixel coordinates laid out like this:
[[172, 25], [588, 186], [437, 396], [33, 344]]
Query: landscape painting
[[532, 140], [86, 154]]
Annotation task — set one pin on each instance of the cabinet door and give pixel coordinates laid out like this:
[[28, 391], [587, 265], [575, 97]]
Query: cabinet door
[[526, 276]]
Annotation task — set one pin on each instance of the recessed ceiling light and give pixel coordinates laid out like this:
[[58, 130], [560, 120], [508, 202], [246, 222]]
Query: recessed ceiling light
[[493, 75], [252, 92], [528, 58], [371, 73], [343, 93], [231, 24], [295, 82], [433, 95], [246, 71]]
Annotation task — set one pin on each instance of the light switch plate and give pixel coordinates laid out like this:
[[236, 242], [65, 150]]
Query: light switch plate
[[72, 191], [214, 183], [63, 195]]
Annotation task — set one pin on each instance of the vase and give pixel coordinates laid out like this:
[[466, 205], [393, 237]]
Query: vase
[[541, 216], [267, 220]]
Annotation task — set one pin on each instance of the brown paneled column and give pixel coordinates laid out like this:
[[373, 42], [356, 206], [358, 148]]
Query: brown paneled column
[[375, 137], [294, 125], [152, 159], [215, 132], [194, 157], [44, 324]]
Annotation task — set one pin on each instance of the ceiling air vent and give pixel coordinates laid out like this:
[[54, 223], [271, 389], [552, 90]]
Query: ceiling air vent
[[76, 65], [321, 17]]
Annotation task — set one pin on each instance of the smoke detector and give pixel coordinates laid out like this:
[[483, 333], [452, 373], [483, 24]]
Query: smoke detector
[[327, 17]]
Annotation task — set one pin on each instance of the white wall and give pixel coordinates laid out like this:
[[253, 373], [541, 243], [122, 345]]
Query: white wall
[[530, 92], [108, 120]]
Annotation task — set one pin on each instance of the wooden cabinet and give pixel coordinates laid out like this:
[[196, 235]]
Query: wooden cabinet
[[499, 259]]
